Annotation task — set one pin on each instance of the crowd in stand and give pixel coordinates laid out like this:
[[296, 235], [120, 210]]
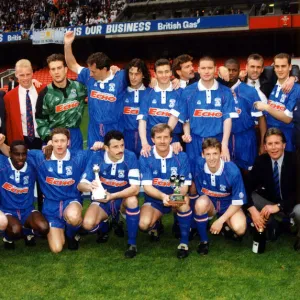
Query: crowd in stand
[[39, 14]]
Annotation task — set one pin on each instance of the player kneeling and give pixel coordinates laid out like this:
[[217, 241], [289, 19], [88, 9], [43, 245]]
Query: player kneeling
[[221, 191], [17, 179], [156, 171], [120, 177]]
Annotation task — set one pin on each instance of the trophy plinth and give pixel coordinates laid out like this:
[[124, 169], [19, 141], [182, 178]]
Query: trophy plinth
[[176, 182], [98, 193]]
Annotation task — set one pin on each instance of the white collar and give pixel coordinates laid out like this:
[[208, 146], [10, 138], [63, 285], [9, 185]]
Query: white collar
[[201, 87], [279, 84], [24, 90], [67, 156], [219, 171], [183, 83], [110, 77], [157, 156], [141, 88], [14, 169], [249, 80], [168, 89], [107, 160], [279, 160], [235, 85]]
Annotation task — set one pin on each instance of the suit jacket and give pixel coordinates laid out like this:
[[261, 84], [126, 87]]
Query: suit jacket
[[10, 85], [260, 179], [2, 113], [14, 129]]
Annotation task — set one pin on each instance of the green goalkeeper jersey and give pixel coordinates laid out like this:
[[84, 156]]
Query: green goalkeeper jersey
[[60, 107]]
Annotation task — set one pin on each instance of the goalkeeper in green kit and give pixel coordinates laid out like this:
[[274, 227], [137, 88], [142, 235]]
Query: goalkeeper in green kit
[[61, 103]]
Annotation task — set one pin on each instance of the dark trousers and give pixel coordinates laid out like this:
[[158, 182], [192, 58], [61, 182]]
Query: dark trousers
[[37, 143]]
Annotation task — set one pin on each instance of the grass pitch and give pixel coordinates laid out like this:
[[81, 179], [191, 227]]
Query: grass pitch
[[100, 271]]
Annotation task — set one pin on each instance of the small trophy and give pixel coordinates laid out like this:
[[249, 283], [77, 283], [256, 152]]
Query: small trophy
[[99, 192], [176, 182]]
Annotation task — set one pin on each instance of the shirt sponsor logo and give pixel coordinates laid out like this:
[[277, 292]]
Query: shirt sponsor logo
[[131, 110], [67, 106], [60, 182], [213, 193], [159, 112], [113, 182], [161, 182], [11, 188], [103, 96], [207, 113], [276, 105]]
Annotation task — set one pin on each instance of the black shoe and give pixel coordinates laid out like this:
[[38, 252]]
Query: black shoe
[[154, 236], [102, 237], [193, 233], [176, 230], [118, 229], [183, 251], [272, 234], [131, 251], [8, 245], [160, 227], [297, 244], [203, 248], [30, 241], [73, 243]]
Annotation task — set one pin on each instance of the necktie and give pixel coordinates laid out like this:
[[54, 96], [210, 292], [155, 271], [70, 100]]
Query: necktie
[[29, 118], [276, 179], [253, 83]]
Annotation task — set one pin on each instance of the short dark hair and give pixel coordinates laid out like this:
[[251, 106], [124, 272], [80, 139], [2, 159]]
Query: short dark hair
[[100, 59], [211, 143], [17, 143], [162, 62], [60, 130], [274, 131], [56, 57], [232, 61], [178, 61], [209, 58], [283, 55], [113, 135], [255, 56], [158, 128], [141, 66]]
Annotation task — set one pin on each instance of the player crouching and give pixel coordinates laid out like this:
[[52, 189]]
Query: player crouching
[[156, 171], [221, 191]]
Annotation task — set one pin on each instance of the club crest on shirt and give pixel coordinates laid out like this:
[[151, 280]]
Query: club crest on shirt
[[173, 171], [26, 180], [154, 101], [74, 93], [50, 169], [172, 103], [199, 102], [283, 97], [217, 101], [111, 87], [222, 188], [69, 170], [121, 173]]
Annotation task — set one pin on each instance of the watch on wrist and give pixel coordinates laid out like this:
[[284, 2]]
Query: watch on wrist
[[279, 206]]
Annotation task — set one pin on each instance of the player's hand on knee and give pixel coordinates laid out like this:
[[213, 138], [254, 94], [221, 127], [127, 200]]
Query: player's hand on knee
[[225, 153], [145, 152], [216, 227], [186, 138], [224, 73], [176, 147], [69, 37], [166, 199], [97, 146]]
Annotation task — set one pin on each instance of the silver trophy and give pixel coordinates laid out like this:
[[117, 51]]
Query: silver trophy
[[99, 192], [177, 182]]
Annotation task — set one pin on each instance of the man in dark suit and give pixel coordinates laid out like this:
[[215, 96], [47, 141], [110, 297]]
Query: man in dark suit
[[271, 186], [12, 83], [2, 113]]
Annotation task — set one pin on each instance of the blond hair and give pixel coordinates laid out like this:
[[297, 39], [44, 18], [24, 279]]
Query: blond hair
[[23, 63]]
